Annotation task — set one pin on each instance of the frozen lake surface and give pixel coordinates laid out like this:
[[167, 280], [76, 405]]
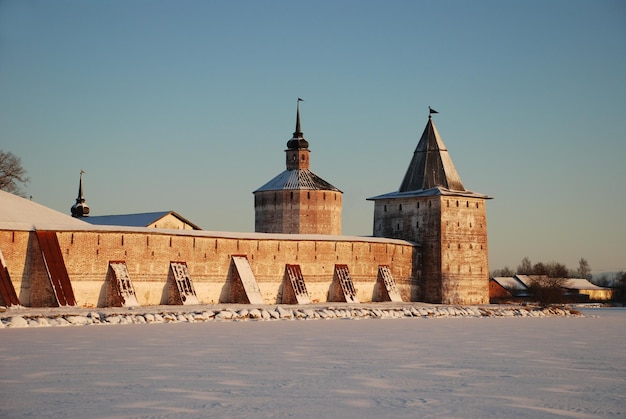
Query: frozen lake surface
[[445, 367]]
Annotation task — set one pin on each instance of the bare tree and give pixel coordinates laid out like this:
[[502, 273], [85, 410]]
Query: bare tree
[[525, 267], [506, 271], [12, 174], [547, 290], [619, 286], [584, 270], [556, 270]]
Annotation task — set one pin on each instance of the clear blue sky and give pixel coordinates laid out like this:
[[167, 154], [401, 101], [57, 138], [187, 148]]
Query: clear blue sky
[[188, 105]]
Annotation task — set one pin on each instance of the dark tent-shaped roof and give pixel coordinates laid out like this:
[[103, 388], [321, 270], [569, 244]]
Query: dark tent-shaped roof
[[431, 165], [431, 171]]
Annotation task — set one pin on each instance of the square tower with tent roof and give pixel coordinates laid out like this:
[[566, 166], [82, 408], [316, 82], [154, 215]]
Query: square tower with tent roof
[[433, 208]]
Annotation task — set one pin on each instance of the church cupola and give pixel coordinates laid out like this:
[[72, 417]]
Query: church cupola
[[80, 208], [297, 147]]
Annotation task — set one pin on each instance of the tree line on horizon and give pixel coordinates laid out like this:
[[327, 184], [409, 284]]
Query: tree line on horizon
[[550, 269]]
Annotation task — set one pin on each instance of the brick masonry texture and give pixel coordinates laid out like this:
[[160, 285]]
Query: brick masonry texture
[[148, 254]]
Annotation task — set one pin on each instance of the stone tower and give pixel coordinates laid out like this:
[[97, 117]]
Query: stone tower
[[80, 208], [297, 201], [433, 209]]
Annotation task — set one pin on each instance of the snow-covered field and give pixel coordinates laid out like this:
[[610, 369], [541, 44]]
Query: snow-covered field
[[467, 367]]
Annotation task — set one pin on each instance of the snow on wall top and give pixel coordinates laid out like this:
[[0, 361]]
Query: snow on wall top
[[20, 214]]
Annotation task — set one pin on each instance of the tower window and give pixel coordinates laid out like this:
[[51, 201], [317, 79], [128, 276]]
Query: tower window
[[457, 203], [291, 195], [400, 207], [467, 204], [418, 205], [308, 195], [385, 208]]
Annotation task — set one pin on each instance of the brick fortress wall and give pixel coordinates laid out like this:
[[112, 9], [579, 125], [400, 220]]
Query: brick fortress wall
[[208, 255]]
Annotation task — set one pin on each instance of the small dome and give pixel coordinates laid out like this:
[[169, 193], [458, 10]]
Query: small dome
[[80, 209], [297, 142]]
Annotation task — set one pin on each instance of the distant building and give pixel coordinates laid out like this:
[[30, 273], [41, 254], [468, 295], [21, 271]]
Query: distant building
[[433, 208], [517, 288], [162, 219], [507, 288], [580, 289], [297, 201]]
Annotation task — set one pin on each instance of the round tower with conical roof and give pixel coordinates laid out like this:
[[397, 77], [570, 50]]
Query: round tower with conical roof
[[297, 201]]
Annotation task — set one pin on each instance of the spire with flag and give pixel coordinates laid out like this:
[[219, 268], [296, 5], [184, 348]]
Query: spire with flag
[[298, 133], [431, 111]]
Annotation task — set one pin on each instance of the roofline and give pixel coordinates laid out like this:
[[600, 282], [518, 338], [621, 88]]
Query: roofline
[[205, 233], [170, 212], [436, 191]]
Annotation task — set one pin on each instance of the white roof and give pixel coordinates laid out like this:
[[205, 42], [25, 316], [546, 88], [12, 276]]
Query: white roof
[[510, 283], [581, 284], [438, 190], [17, 213]]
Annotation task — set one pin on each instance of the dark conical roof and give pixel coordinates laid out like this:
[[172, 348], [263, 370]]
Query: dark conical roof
[[431, 165]]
